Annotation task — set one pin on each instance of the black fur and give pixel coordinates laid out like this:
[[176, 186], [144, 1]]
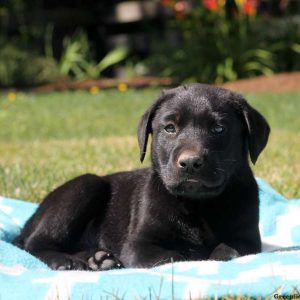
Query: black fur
[[198, 200]]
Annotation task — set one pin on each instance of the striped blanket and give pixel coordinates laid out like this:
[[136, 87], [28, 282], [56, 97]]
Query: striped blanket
[[274, 273]]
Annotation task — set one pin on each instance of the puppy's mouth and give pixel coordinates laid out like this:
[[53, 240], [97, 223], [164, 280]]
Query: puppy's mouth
[[199, 188]]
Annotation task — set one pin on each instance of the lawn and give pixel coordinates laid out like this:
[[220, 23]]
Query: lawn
[[49, 138]]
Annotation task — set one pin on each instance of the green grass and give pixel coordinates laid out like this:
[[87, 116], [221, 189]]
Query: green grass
[[46, 139]]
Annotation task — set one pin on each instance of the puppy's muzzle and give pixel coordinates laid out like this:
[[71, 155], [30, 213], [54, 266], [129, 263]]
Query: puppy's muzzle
[[198, 176], [190, 162]]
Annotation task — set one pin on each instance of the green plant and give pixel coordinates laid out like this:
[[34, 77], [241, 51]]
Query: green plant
[[10, 58], [218, 41], [282, 36], [20, 67], [77, 59]]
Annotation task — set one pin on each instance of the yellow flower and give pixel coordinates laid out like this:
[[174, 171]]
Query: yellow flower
[[240, 2], [11, 96], [94, 90], [122, 87], [222, 2]]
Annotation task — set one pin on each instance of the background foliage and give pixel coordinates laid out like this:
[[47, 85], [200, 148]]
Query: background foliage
[[190, 40], [218, 41]]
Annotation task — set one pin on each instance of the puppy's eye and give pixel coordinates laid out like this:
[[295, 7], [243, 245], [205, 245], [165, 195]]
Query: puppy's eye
[[218, 129], [170, 128]]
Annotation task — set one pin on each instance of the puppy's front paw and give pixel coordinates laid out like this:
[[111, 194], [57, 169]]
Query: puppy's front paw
[[102, 261], [223, 252], [65, 263]]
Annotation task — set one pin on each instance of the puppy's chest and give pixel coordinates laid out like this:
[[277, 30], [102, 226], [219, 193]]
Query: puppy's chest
[[194, 230], [188, 232]]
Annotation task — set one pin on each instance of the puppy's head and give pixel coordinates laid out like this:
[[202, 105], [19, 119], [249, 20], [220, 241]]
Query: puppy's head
[[201, 137]]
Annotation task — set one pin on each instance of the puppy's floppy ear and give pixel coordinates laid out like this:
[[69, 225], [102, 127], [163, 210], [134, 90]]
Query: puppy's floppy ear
[[258, 130], [145, 125]]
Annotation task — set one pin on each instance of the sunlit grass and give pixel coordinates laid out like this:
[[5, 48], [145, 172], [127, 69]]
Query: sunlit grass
[[65, 115], [46, 139], [31, 169], [279, 164]]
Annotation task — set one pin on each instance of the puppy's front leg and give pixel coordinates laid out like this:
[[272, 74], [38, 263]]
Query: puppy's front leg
[[93, 260], [145, 254], [243, 240], [223, 252]]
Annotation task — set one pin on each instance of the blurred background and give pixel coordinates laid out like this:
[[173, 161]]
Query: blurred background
[[214, 41], [72, 72]]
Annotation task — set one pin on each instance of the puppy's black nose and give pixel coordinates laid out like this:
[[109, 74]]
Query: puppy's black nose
[[190, 162]]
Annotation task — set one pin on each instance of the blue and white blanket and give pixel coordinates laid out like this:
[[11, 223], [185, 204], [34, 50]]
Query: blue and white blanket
[[24, 277]]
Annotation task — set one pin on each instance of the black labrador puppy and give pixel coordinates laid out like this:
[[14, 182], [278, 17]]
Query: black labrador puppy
[[198, 200]]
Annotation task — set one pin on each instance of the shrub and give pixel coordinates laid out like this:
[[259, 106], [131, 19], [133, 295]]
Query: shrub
[[217, 41], [20, 68]]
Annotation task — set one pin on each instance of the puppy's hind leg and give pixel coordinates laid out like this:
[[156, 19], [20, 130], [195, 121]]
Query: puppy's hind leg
[[54, 233]]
